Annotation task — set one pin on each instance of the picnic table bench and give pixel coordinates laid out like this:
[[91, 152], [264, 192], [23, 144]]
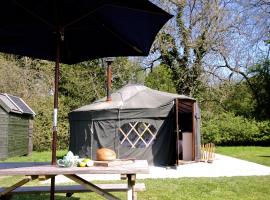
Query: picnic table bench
[[34, 170], [71, 189]]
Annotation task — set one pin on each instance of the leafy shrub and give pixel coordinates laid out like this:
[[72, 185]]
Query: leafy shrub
[[43, 122], [228, 129]]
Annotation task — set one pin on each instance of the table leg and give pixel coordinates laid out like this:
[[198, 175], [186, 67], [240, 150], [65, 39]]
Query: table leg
[[131, 195], [18, 184], [91, 187], [52, 188]]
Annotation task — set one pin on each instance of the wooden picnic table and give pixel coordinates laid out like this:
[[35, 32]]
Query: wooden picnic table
[[34, 170]]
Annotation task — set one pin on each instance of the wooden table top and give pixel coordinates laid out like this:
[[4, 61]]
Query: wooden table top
[[41, 168]]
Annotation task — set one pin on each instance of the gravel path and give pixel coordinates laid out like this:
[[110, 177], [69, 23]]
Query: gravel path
[[222, 166]]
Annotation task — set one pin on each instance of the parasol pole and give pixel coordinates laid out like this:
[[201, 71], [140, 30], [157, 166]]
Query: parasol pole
[[55, 111]]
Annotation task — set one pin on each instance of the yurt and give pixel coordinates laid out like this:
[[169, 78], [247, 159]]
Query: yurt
[[138, 123]]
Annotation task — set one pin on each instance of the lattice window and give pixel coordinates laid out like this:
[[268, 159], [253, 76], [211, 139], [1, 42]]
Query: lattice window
[[137, 134]]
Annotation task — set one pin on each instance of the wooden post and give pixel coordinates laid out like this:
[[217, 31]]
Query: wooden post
[[193, 130], [30, 137], [177, 129], [131, 195]]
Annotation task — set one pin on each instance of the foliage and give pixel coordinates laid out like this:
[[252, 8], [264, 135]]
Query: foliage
[[81, 84], [42, 132], [228, 129], [198, 30], [239, 100], [228, 97], [260, 86], [125, 71], [25, 77], [160, 78], [186, 77], [250, 97]]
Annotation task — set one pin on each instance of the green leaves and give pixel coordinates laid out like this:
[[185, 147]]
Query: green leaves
[[81, 84], [161, 78], [228, 129], [125, 71]]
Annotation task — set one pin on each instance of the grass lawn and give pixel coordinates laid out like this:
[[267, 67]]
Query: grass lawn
[[255, 187], [237, 188], [36, 157], [259, 155]]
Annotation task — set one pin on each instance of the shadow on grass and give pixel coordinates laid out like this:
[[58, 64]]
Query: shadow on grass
[[41, 197], [263, 156]]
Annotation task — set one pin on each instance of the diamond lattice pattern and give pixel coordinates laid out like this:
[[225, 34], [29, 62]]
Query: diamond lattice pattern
[[137, 134]]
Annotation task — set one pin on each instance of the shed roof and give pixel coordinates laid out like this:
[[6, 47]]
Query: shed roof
[[134, 96], [13, 104]]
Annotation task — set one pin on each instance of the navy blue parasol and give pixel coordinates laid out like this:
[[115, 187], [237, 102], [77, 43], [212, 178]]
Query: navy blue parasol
[[88, 29]]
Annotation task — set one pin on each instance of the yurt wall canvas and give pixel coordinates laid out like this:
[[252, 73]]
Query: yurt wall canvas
[[138, 123]]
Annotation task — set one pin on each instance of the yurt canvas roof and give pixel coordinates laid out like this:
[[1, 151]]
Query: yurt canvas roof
[[133, 97]]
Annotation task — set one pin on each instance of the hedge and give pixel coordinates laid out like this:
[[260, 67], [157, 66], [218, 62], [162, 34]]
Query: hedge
[[228, 129]]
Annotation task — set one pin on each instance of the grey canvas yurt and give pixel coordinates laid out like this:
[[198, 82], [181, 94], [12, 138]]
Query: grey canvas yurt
[[138, 123]]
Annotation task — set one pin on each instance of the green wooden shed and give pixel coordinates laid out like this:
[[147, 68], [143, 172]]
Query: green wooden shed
[[16, 126]]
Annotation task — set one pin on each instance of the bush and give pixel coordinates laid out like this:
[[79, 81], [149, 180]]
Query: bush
[[43, 122], [228, 129]]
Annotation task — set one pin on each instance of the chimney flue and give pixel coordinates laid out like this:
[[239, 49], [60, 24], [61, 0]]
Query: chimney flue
[[109, 77]]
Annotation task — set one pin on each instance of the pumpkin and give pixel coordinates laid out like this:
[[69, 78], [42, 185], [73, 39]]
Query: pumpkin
[[105, 154]]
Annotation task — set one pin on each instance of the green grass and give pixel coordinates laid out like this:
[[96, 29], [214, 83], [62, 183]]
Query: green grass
[[260, 155], [238, 188], [45, 156]]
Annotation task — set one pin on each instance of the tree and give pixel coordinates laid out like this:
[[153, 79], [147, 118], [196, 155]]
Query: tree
[[248, 96], [260, 82], [126, 71], [184, 46], [160, 79], [239, 100], [25, 77], [82, 83]]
